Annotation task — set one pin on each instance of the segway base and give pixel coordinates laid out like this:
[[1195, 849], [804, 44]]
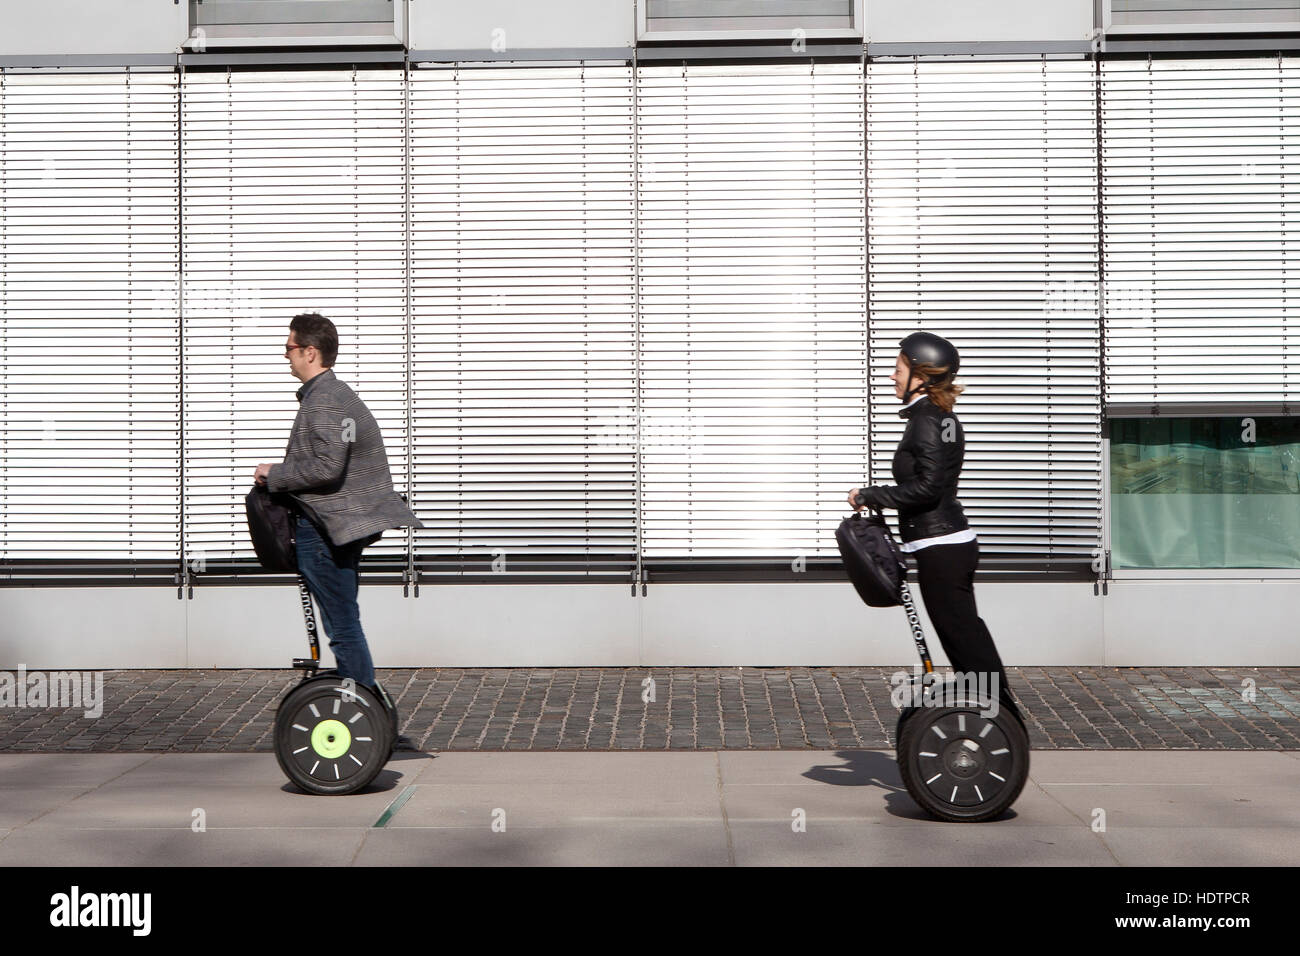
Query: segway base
[[959, 766], [332, 738]]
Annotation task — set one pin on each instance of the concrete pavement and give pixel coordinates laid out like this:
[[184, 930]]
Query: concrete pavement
[[697, 808]]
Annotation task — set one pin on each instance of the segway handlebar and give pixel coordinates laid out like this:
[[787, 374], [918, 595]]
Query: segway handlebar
[[861, 500]]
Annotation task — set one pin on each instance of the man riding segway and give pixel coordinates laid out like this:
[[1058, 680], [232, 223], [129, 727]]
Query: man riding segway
[[336, 472]]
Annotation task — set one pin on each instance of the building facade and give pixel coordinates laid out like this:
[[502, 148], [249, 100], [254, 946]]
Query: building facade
[[623, 286]]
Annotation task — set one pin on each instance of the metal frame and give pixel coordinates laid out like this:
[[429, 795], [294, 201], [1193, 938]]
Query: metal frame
[[1105, 12], [552, 54], [638, 574], [1198, 409], [1147, 29], [289, 57], [857, 29], [1033, 48], [426, 59], [398, 29], [1106, 575], [80, 61], [1103, 576], [747, 51], [1205, 574]]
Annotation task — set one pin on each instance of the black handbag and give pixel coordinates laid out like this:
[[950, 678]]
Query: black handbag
[[872, 559], [272, 524]]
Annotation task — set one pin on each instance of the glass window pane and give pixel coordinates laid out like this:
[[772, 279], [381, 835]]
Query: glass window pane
[[1205, 492]]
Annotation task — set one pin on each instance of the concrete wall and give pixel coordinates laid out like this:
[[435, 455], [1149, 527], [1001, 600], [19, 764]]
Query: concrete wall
[[932, 21], [92, 26], [1245, 622], [160, 26], [522, 24]]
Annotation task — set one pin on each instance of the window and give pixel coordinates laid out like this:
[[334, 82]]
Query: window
[[748, 19], [294, 202], [294, 22], [89, 329], [753, 353], [523, 320], [1200, 16], [1220, 492], [982, 204]]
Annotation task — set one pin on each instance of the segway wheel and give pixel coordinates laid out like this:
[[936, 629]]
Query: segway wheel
[[903, 716], [331, 738], [387, 701], [959, 766]]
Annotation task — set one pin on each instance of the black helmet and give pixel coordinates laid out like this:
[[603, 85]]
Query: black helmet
[[925, 348]]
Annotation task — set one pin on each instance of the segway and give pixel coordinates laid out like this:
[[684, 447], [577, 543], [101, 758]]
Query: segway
[[332, 735], [963, 758]]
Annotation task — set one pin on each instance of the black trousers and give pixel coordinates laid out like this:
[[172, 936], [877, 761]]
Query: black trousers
[[946, 573]]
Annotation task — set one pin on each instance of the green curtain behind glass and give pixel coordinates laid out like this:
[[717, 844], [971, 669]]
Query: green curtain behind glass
[[1195, 493]]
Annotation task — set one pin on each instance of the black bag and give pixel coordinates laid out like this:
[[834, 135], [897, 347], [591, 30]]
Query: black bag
[[875, 565], [272, 524]]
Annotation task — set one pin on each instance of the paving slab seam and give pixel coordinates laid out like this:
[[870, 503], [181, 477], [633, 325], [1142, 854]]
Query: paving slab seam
[[1082, 822], [722, 806]]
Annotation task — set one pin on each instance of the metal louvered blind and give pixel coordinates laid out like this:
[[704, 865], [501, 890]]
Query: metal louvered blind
[[982, 204], [280, 22], [524, 330], [752, 305], [294, 202], [1219, 15], [637, 303], [738, 16], [1201, 168], [89, 372]]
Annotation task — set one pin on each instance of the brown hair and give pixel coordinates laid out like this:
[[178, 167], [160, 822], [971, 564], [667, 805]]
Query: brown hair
[[312, 328], [944, 395]]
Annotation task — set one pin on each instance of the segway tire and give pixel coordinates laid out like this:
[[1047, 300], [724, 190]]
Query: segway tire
[[332, 739], [391, 707], [961, 767]]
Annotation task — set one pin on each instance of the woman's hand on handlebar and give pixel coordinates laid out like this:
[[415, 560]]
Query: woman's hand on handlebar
[[853, 499]]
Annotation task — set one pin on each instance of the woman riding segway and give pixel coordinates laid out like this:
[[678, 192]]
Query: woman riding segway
[[953, 765]]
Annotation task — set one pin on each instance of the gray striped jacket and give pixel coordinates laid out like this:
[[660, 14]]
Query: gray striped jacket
[[336, 466]]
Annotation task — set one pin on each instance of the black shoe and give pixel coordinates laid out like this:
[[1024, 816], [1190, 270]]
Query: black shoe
[[403, 742]]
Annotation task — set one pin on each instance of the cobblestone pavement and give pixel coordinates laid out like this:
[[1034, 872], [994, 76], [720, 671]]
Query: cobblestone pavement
[[694, 708]]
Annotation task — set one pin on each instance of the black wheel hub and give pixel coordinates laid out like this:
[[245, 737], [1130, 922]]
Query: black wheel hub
[[964, 759]]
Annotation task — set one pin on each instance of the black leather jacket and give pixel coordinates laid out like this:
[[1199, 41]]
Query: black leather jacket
[[926, 468]]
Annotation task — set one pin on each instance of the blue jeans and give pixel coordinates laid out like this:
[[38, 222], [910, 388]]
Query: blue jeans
[[333, 578]]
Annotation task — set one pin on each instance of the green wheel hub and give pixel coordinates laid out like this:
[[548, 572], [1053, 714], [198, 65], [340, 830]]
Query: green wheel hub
[[331, 739]]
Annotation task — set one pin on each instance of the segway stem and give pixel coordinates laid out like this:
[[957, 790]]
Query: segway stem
[[310, 664], [913, 618], [918, 635]]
